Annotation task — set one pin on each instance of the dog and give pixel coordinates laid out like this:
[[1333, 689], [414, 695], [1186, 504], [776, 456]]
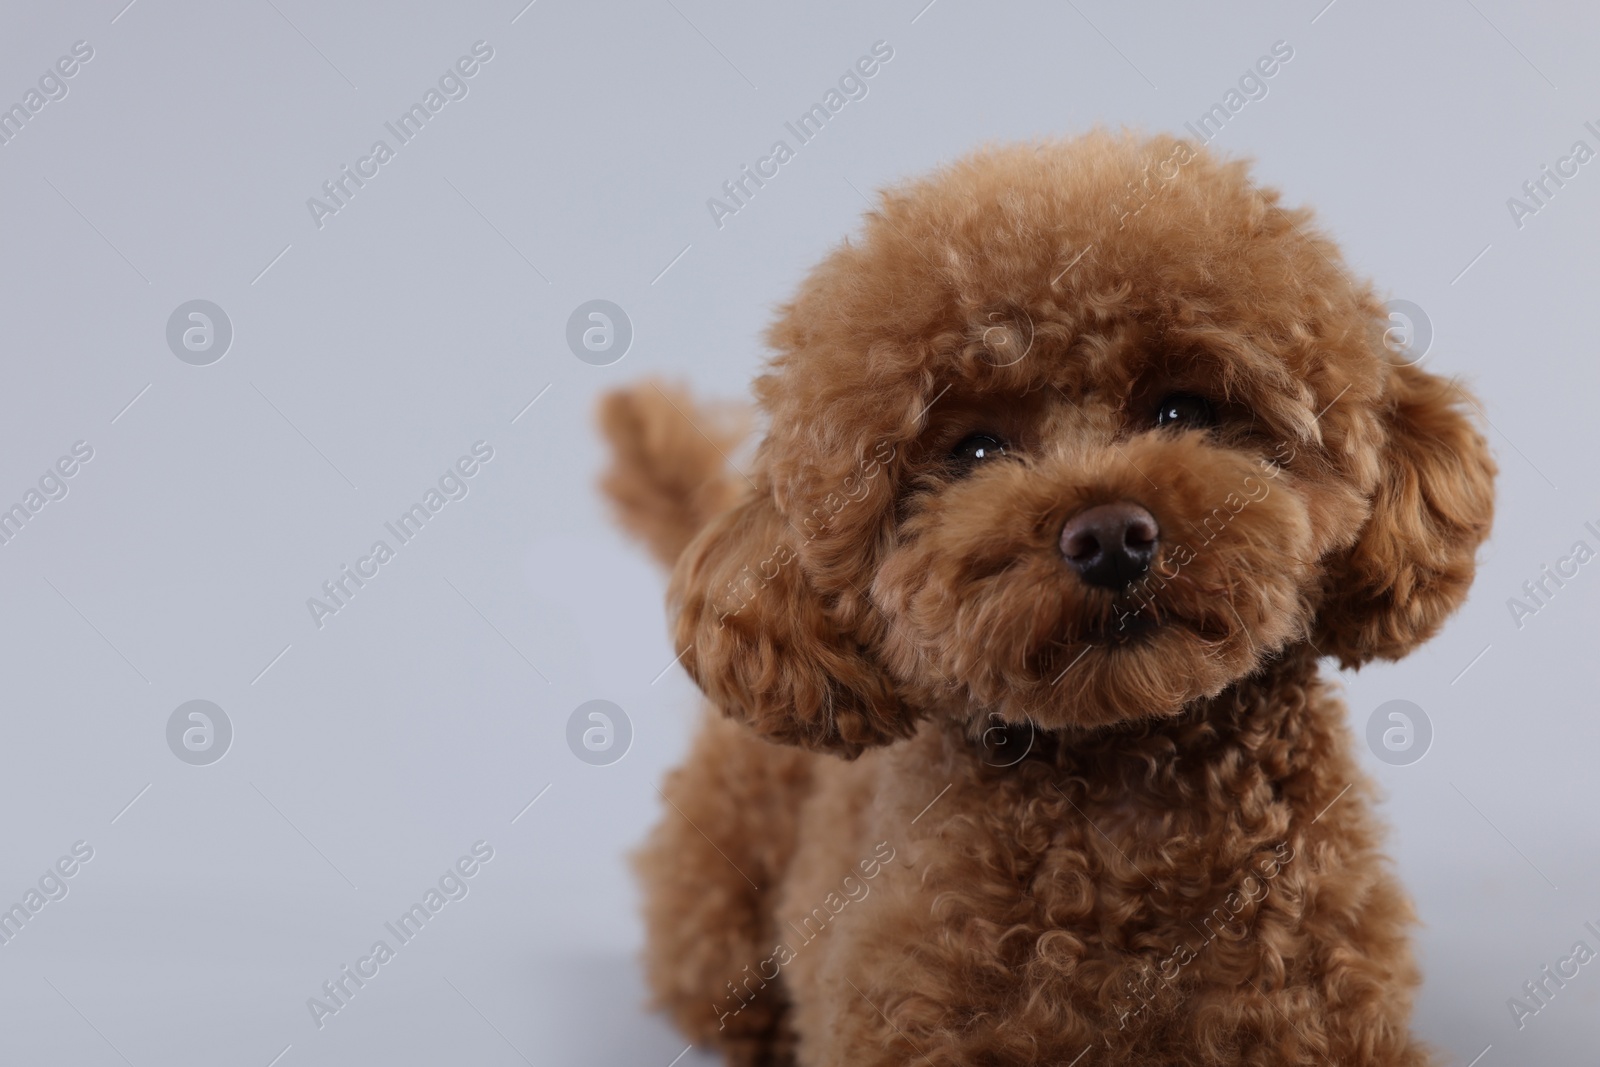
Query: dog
[[1076, 464]]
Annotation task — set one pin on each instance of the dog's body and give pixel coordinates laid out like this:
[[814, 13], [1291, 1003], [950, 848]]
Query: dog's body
[[1059, 593]]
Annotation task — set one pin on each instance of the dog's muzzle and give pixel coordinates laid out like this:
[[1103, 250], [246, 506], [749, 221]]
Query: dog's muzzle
[[1110, 545]]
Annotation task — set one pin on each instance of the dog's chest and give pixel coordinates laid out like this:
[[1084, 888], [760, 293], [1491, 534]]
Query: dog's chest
[[1099, 868]]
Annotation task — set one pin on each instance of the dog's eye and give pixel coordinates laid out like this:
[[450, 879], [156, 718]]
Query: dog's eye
[[977, 447], [1185, 409]]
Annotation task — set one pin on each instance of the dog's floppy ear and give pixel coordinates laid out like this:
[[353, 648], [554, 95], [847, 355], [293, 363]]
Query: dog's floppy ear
[[1414, 559], [763, 645]]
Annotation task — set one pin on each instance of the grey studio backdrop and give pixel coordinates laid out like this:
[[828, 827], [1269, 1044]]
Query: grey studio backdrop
[[355, 357]]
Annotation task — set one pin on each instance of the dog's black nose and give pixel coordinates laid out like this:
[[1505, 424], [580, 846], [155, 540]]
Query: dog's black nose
[[1110, 545]]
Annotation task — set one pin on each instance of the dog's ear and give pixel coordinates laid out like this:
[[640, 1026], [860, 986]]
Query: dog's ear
[[766, 648], [1413, 561]]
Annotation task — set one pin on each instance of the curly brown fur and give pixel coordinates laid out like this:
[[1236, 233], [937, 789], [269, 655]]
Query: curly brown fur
[[669, 474], [1074, 822]]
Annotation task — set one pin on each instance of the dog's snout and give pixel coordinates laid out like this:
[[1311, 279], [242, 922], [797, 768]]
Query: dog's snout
[[1110, 545]]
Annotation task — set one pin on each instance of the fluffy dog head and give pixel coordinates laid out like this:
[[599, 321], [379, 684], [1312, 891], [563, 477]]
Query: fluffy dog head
[[1076, 433]]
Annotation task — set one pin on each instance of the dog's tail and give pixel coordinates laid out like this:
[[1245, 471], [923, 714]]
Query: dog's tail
[[669, 474]]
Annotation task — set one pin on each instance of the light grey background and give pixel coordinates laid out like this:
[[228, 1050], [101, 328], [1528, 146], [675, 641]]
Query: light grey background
[[370, 353]]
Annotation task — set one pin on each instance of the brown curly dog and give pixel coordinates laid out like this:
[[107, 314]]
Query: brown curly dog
[[1077, 462]]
